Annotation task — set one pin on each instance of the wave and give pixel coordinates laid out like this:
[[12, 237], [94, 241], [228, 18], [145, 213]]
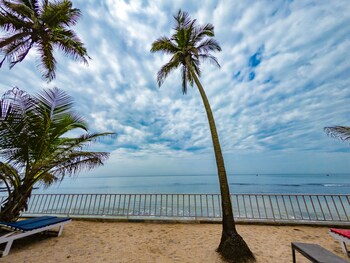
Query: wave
[[336, 185]]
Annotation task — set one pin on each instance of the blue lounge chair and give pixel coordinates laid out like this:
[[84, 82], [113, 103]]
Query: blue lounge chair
[[29, 227]]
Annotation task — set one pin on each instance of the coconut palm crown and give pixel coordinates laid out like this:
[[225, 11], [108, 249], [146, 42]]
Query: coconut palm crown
[[190, 43], [35, 147], [188, 46], [42, 25]]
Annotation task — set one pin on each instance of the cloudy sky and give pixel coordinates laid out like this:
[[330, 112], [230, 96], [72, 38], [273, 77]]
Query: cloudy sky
[[284, 76]]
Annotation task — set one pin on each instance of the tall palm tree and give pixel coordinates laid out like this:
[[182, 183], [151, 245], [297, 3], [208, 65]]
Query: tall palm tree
[[189, 45], [35, 148], [43, 25], [340, 132]]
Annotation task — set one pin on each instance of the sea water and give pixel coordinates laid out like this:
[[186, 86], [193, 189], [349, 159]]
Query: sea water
[[203, 184], [164, 195]]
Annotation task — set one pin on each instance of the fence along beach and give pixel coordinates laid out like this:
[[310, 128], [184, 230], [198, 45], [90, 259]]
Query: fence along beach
[[315, 198], [275, 208]]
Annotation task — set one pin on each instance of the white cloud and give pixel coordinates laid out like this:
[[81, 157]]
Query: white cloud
[[300, 85]]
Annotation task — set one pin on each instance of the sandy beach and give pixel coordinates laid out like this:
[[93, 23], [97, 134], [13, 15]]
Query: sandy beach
[[88, 241]]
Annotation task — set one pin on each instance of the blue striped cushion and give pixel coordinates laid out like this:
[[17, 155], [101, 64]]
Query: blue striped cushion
[[34, 223]]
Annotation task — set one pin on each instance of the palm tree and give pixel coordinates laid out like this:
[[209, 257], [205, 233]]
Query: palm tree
[[340, 132], [189, 45], [34, 147], [44, 26]]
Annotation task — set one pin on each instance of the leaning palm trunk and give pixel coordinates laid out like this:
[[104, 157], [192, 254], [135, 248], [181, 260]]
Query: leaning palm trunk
[[232, 246], [16, 203]]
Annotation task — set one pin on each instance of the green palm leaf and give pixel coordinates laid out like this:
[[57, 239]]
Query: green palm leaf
[[34, 145], [44, 25], [189, 42]]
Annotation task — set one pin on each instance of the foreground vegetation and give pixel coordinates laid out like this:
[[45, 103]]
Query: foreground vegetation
[[35, 146]]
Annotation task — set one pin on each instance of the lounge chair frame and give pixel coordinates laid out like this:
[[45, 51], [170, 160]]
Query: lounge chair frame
[[8, 238], [315, 253], [342, 240]]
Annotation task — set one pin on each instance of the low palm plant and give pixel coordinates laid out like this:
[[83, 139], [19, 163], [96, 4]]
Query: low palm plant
[[35, 147], [42, 25], [189, 45]]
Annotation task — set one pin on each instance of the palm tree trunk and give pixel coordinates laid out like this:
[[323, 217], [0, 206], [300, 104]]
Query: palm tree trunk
[[16, 203], [227, 215], [232, 246]]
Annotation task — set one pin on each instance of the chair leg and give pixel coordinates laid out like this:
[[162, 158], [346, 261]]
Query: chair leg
[[293, 255], [344, 248], [60, 230], [7, 248]]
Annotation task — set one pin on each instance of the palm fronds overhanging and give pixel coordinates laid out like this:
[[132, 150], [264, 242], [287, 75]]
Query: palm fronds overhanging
[[34, 147], [339, 132], [189, 46], [42, 25]]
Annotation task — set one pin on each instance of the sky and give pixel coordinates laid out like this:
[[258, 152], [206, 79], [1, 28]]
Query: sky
[[284, 76]]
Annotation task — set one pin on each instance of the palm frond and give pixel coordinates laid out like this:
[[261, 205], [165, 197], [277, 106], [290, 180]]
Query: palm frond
[[13, 44], [67, 122], [56, 105], [43, 25], [70, 44], [60, 14], [33, 5], [165, 45], [201, 32], [55, 101], [68, 145], [48, 62], [76, 162], [11, 23], [48, 179], [9, 175], [19, 10], [210, 58], [182, 20], [15, 104], [339, 132], [189, 76], [188, 45], [195, 65], [208, 45], [166, 70], [18, 51]]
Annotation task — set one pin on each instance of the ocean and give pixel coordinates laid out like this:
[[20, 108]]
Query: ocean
[[202, 184]]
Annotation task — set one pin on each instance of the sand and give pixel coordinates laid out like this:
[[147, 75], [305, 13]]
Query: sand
[[87, 241]]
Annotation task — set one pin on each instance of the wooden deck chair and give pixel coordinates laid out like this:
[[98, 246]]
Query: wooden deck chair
[[23, 228], [343, 236]]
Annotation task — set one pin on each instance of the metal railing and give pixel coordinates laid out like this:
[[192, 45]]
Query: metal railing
[[278, 208]]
